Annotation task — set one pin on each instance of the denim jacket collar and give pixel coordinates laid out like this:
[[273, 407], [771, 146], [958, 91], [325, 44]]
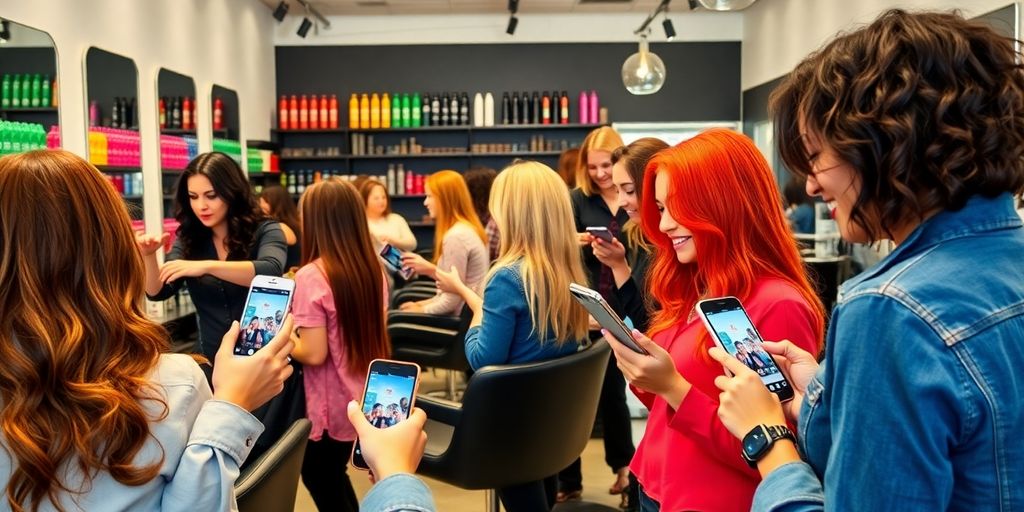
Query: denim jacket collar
[[979, 215]]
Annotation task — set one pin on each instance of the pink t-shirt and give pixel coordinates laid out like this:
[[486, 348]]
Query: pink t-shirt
[[329, 386]]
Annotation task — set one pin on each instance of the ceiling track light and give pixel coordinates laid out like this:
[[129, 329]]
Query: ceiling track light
[[281, 11], [312, 10], [304, 27], [661, 8], [670, 31], [513, 22], [5, 31]]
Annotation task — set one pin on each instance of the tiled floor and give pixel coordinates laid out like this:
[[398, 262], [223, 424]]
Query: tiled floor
[[596, 476]]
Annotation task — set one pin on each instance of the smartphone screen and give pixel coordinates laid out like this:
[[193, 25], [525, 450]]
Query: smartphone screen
[[388, 398], [261, 320], [600, 232], [394, 260], [727, 320]]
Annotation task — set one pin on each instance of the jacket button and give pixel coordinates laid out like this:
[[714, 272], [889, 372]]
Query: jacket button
[[248, 441]]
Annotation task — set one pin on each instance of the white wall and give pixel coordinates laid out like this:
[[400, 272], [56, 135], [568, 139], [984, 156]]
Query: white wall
[[224, 42], [490, 28], [778, 34]]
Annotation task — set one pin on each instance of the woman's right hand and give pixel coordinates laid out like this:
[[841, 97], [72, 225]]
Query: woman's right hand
[[799, 366], [149, 244], [396, 449], [449, 282], [251, 381]]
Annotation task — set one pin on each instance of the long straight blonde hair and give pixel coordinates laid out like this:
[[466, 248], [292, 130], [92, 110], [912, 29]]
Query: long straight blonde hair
[[531, 206], [453, 204]]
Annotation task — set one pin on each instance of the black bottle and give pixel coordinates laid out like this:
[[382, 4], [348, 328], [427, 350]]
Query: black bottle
[[527, 116], [176, 113], [129, 114], [425, 118], [464, 109], [115, 113], [506, 109], [435, 110], [515, 108], [535, 106], [453, 111]]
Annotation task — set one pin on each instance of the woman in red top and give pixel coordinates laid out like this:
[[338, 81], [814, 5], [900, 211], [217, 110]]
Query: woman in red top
[[712, 211]]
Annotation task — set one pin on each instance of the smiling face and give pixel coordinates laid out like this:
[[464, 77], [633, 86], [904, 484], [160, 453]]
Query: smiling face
[[599, 168], [836, 182], [208, 206], [682, 238], [628, 199]]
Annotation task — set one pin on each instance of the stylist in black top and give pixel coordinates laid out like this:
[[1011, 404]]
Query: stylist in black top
[[595, 203], [223, 241]]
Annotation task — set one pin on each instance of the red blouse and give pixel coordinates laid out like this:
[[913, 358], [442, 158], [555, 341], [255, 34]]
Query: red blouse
[[687, 460]]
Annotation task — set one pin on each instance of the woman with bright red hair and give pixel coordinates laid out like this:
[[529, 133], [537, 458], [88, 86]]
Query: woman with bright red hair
[[711, 209]]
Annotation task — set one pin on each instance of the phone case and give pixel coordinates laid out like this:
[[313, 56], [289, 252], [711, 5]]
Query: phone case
[[362, 400], [603, 313]]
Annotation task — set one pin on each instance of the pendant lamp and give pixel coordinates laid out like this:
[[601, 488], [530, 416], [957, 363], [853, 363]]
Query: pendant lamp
[[643, 72]]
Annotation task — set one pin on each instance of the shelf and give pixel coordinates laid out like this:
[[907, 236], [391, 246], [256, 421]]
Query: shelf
[[319, 130], [265, 174], [410, 155], [439, 128], [177, 131], [328, 157], [499, 127], [447, 128], [518, 153], [30, 110], [421, 224], [109, 169]]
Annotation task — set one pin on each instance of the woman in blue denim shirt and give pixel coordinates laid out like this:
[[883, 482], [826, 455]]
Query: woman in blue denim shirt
[[912, 129]]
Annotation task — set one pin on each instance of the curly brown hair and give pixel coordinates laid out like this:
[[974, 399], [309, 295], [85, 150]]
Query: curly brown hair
[[928, 108]]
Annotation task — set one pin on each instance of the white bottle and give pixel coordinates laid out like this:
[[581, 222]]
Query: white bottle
[[400, 181], [489, 110], [391, 180], [478, 110]]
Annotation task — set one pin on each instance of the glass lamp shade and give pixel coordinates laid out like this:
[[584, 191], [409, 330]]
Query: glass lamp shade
[[643, 72], [726, 5]]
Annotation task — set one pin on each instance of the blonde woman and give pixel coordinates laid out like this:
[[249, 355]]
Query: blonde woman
[[526, 313], [459, 241]]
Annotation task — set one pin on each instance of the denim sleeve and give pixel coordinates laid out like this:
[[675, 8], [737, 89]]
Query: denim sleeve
[[400, 492], [271, 251], [169, 289], [893, 409], [792, 487], [491, 341]]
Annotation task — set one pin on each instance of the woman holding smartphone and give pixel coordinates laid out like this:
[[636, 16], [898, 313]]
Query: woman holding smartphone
[[340, 304], [706, 248], [525, 313], [94, 414], [919, 140], [459, 240]]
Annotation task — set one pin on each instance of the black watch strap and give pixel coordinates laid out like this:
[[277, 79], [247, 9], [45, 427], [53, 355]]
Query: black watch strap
[[771, 433]]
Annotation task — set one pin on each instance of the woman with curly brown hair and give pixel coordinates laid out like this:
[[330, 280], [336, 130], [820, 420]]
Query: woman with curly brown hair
[[92, 416], [912, 130]]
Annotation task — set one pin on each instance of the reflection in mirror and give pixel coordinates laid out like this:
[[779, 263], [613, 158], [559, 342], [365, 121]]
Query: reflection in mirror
[[111, 89], [176, 107], [28, 109], [224, 103]]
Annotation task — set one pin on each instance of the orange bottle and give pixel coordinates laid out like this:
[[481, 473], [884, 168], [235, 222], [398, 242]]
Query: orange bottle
[[332, 111], [353, 111], [375, 111], [385, 111], [323, 112], [304, 113], [314, 113], [364, 111], [282, 113], [293, 113]]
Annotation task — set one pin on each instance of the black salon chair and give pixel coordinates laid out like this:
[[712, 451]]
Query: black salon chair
[[435, 341], [413, 291], [270, 483], [517, 423]]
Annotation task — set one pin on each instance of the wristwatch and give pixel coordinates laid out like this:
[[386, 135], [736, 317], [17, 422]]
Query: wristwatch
[[760, 439]]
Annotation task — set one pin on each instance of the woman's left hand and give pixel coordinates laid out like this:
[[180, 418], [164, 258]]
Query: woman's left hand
[[411, 307], [744, 402], [449, 282], [417, 263], [610, 254], [655, 372], [178, 269]]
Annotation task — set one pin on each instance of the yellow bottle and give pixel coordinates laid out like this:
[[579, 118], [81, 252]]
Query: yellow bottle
[[353, 111], [364, 111], [385, 111], [375, 111]]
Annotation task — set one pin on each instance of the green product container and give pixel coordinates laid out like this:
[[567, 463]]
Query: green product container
[[416, 114], [4, 138], [26, 91], [16, 91], [396, 110], [44, 97], [406, 113], [5, 99], [37, 91]]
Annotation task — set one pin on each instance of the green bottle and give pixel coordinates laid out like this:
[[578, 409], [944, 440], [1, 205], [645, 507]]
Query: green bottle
[[16, 91], [44, 98], [5, 102], [26, 90], [4, 140], [396, 111], [406, 114], [37, 90], [416, 121], [15, 137]]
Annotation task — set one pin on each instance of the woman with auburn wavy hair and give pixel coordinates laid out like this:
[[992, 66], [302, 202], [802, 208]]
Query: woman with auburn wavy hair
[[92, 416], [911, 129], [713, 213], [340, 304], [526, 313], [459, 240]]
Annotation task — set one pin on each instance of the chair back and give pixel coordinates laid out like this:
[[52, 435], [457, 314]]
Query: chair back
[[270, 483]]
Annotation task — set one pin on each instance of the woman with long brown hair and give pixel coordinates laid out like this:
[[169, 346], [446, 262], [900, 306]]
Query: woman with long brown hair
[[340, 305], [92, 416], [459, 241], [277, 203]]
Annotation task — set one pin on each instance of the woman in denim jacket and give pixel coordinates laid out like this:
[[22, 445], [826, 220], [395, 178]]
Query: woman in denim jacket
[[912, 129]]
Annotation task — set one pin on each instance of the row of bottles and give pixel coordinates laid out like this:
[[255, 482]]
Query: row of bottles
[[126, 184], [231, 147], [404, 110], [123, 114], [177, 152], [402, 182], [297, 181], [114, 147], [544, 108], [302, 113], [28, 91], [17, 137], [177, 113]]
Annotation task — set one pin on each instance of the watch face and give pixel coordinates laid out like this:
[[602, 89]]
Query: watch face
[[755, 442]]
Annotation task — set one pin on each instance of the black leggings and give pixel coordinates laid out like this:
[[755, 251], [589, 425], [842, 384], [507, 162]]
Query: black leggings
[[323, 473], [536, 496]]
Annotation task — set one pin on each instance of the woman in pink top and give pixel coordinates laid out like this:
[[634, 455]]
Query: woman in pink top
[[339, 310]]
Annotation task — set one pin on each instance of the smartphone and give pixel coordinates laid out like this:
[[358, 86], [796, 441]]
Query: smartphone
[[388, 398], [268, 302], [600, 232], [603, 313], [732, 330], [393, 258]]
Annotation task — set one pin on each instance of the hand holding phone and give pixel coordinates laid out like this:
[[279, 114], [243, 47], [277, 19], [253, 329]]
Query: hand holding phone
[[388, 398], [603, 313], [600, 232], [392, 450], [250, 382], [393, 259], [732, 330], [268, 302]]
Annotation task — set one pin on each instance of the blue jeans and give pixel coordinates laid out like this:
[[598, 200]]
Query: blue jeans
[[647, 504]]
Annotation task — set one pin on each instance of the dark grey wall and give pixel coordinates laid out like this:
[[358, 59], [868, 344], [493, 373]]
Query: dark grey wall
[[108, 75], [28, 60], [229, 99], [169, 83], [703, 82]]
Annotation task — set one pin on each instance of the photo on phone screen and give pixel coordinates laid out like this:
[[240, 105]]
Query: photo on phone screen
[[388, 399], [600, 232], [393, 257], [598, 308], [268, 302], [728, 322]]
